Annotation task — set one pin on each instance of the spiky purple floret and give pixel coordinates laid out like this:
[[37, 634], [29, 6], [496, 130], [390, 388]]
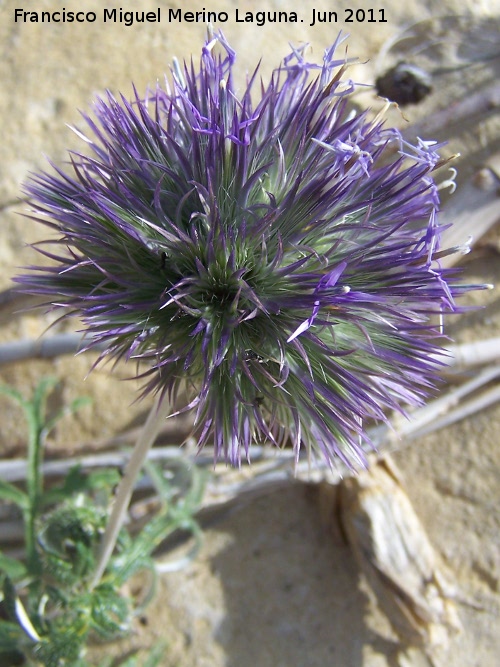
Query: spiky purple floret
[[276, 258]]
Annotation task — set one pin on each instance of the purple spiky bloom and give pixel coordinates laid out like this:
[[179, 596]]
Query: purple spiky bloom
[[276, 258]]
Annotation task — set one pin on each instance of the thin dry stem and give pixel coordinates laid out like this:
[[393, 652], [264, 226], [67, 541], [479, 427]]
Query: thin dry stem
[[126, 486]]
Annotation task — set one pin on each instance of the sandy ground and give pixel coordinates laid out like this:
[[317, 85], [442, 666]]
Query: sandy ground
[[276, 584]]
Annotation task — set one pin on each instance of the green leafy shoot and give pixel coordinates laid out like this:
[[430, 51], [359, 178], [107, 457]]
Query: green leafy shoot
[[49, 612]]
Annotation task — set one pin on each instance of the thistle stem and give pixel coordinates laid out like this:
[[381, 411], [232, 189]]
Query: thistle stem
[[125, 488]]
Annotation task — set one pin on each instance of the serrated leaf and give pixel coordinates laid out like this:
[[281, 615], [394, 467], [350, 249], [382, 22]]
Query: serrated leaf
[[14, 495], [40, 393], [70, 409], [74, 482], [12, 393], [11, 636], [13, 568], [156, 654]]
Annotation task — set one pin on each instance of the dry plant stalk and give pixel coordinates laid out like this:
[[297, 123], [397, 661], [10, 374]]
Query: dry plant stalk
[[397, 558]]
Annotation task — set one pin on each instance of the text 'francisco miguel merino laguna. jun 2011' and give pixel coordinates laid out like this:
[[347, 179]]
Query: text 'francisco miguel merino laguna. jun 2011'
[[178, 15]]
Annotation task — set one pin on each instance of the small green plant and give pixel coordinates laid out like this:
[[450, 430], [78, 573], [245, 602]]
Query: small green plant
[[49, 609]]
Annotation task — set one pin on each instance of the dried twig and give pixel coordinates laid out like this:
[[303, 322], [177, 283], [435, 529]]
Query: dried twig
[[465, 355], [43, 348]]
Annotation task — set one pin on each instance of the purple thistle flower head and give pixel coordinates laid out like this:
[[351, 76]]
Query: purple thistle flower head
[[275, 258]]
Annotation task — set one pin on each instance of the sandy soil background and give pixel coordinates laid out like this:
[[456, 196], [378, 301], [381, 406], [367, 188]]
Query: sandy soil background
[[276, 584]]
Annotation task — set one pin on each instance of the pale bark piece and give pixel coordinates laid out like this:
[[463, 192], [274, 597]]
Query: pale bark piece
[[397, 558]]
